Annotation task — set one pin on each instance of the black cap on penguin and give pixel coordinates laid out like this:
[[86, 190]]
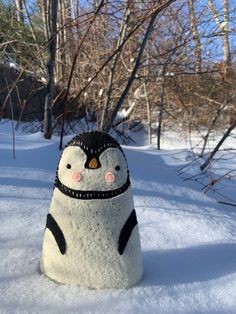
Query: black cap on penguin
[[93, 143]]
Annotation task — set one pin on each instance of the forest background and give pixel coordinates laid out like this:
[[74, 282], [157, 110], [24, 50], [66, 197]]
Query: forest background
[[119, 66]]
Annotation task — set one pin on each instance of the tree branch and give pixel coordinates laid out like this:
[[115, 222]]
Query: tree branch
[[137, 63]]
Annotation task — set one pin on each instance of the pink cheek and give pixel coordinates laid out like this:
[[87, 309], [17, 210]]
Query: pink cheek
[[76, 176], [109, 177]]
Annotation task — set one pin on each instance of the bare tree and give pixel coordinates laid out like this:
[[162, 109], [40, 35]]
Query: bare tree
[[162, 5], [161, 110], [43, 6], [196, 37], [220, 107], [223, 26], [224, 137], [52, 22], [32, 30], [98, 68], [149, 116], [123, 30], [72, 70], [19, 11]]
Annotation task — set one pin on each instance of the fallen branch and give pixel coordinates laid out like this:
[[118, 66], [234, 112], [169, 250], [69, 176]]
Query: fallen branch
[[226, 203], [215, 150]]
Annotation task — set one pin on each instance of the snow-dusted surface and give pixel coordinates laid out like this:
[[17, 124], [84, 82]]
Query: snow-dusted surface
[[188, 239]]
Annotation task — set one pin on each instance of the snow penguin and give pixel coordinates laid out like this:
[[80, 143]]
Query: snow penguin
[[91, 237]]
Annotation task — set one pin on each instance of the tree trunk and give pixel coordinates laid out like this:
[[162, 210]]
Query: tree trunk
[[225, 37], [52, 44], [72, 70], [134, 72], [44, 14], [160, 118], [214, 120], [224, 28], [123, 29], [19, 9], [64, 53], [31, 26], [196, 37], [161, 5], [149, 117], [215, 150]]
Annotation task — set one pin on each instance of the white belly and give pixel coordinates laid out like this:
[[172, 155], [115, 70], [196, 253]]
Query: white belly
[[91, 229]]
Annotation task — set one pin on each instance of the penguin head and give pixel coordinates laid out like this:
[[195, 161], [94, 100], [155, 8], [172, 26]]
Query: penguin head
[[93, 161]]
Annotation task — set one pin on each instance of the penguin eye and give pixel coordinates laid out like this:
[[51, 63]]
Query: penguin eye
[[117, 168], [68, 166]]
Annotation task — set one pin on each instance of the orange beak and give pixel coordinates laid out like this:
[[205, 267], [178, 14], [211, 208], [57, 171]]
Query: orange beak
[[93, 164]]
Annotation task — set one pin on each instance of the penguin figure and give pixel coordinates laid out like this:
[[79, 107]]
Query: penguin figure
[[91, 237]]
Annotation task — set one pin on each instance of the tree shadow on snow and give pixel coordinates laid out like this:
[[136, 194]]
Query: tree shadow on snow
[[24, 182], [161, 180], [188, 265]]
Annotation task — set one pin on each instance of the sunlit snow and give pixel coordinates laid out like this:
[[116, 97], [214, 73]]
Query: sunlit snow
[[188, 239]]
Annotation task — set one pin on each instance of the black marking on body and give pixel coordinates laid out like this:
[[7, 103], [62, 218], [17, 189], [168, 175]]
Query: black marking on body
[[126, 231], [89, 195], [57, 233]]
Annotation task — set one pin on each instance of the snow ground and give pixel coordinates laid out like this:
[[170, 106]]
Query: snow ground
[[188, 239]]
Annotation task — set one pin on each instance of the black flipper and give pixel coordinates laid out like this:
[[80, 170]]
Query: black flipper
[[57, 233], [126, 232]]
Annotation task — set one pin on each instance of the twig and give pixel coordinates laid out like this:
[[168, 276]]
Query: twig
[[12, 123]]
